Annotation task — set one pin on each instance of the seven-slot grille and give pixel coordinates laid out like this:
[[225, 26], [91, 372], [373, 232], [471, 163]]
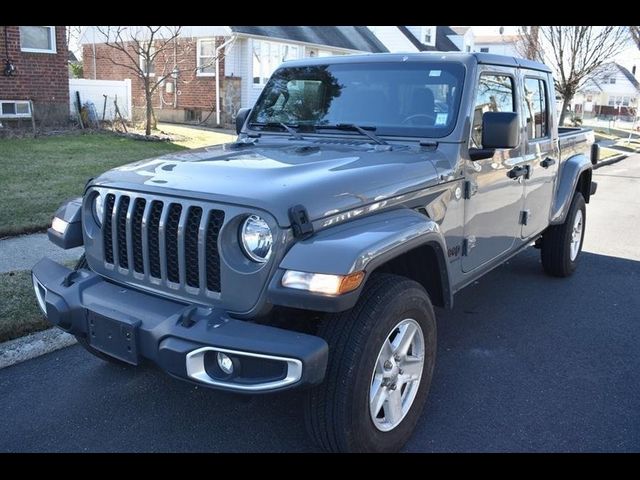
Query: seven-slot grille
[[163, 239]]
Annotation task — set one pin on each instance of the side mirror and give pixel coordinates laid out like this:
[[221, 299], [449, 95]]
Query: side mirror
[[500, 130], [241, 117]]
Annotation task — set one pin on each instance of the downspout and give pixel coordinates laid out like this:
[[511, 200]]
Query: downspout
[[218, 76]]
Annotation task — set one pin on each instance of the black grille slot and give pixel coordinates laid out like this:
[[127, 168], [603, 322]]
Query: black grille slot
[[136, 234], [121, 220], [154, 238], [173, 271], [106, 229], [191, 246], [216, 218]]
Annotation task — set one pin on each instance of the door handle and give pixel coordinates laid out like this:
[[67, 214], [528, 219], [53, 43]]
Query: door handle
[[519, 171], [547, 162]]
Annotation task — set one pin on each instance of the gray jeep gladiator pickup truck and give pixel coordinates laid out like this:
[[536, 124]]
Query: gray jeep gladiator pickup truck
[[361, 192]]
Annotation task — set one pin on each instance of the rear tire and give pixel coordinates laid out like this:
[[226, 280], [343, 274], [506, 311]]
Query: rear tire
[[348, 411], [82, 263], [562, 244]]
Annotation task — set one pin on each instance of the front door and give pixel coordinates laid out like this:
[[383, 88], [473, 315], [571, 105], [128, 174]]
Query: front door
[[542, 154], [494, 200]]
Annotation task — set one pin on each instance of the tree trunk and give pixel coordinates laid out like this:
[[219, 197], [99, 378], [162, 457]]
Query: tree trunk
[[563, 112], [147, 94]]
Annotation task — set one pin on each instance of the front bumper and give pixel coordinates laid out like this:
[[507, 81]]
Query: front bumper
[[184, 340]]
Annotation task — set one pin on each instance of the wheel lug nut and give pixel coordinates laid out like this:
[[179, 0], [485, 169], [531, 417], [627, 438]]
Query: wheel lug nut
[[392, 386], [396, 357], [400, 372], [388, 365]]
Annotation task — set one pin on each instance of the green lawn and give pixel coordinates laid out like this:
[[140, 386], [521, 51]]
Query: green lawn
[[39, 174], [19, 312]]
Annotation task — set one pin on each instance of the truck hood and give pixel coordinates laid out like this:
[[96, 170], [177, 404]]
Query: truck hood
[[326, 179]]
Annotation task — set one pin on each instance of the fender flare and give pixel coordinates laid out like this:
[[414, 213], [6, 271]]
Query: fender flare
[[570, 172], [362, 244]]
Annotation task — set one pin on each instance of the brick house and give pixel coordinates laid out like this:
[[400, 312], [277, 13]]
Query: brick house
[[249, 55], [34, 67]]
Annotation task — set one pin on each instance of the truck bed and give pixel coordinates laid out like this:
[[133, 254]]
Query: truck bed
[[574, 140]]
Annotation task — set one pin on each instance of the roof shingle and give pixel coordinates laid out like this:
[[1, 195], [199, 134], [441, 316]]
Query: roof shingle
[[351, 38]]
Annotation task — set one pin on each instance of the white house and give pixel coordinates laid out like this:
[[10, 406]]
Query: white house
[[257, 50], [211, 91], [611, 90], [425, 38], [497, 44]]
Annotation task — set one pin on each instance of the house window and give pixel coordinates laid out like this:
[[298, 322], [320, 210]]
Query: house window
[[589, 98], [484, 50], [612, 80], [468, 48], [12, 109], [38, 39], [614, 101], [267, 56], [206, 57], [536, 112], [148, 67], [428, 36]]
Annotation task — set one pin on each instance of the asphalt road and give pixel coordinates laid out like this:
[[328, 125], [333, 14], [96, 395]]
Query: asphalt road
[[525, 363]]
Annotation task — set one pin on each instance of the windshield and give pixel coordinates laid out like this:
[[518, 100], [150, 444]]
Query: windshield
[[404, 99]]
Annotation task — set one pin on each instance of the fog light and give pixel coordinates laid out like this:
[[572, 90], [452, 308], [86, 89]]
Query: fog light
[[225, 363]]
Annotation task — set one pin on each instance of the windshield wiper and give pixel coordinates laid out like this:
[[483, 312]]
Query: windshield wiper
[[288, 128], [357, 128]]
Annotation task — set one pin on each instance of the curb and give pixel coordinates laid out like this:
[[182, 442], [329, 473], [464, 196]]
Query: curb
[[33, 345], [610, 161]]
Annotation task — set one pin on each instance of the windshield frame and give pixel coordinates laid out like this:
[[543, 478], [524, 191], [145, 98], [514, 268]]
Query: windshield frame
[[410, 132]]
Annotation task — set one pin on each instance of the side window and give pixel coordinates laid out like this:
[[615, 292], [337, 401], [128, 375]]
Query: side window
[[495, 94], [536, 109]]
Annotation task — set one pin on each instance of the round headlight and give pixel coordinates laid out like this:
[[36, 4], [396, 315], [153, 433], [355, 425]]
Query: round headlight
[[256, 239], [98, 209]]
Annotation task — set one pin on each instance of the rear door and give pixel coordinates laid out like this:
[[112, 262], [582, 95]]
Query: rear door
[[541, 152], [494, 201]]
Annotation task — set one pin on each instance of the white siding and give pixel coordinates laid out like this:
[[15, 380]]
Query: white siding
[[393, 39], [233, 59], [505, 48]]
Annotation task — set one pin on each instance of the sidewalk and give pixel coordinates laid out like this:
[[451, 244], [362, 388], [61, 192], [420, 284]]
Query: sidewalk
[[23, 252]]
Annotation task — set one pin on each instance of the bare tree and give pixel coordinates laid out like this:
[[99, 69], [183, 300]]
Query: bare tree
[[73, 35], [147, 52], [575, 53], [635, 35], [528, 44]]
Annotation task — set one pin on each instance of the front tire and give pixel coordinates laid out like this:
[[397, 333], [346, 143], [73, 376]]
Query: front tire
[[381, 361], [562, 244]]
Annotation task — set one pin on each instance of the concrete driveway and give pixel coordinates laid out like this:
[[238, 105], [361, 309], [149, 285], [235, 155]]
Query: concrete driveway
[[525, 363]]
